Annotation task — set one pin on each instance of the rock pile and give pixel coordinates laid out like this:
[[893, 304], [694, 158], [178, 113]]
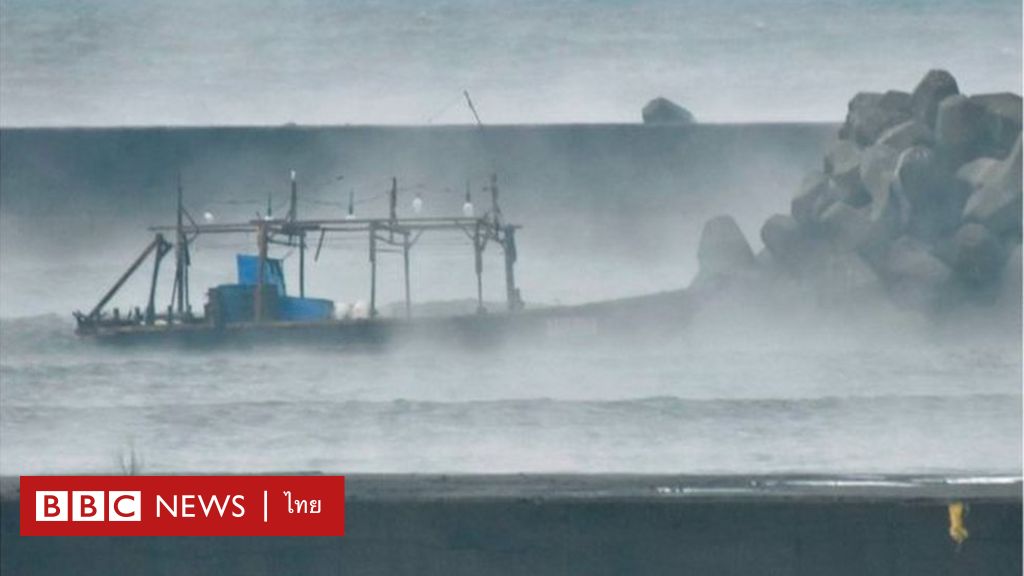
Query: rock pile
[[918, 198]]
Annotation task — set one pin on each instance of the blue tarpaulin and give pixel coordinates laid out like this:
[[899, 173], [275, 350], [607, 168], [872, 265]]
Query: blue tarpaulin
[[304, 309], [235, 302], [249, 272]]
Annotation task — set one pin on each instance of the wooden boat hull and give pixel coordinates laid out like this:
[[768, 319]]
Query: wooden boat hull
[[653, 314], [464, 329]]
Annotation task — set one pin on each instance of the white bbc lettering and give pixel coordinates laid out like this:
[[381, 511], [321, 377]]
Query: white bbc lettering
[[162, 504], [208, 505], [51, 506], [88, 506], [124, 506]]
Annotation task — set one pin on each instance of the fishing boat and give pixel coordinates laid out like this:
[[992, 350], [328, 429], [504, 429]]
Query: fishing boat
[[259, 306]]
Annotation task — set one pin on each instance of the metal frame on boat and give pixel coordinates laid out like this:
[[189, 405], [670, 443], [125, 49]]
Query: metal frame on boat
[[255, 303]]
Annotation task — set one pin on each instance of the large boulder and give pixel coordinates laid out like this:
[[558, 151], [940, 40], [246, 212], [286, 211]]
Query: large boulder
[[975, 255], [803, 204], [723, 250], [890, 212], [906, 134], [935, 198], [997, 202], [918, 201], [842, 165], [785, 240], [853, 194], [975, 173], [664, 111], [831, 195], [915, 276], [849, 228], [1002, 120], [869, 114], [842, 161], [917, 170], [960, 131], [878, 169], [935, 87]]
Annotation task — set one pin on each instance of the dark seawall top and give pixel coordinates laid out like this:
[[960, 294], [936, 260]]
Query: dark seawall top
[[563, 524], [127, 176]]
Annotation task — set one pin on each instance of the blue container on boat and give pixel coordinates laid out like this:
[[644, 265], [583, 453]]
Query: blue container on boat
[[236, 302], [249, 272], [304, 309]]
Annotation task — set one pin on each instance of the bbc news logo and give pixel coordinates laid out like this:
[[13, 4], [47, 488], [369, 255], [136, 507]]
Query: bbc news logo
[[89, 506], [182, 505]]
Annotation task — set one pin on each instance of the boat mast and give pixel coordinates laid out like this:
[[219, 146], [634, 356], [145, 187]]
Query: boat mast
[[261, 240], [293, 214], [180, 256], [506, 237]]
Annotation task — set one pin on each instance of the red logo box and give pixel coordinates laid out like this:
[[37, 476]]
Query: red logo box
[[182, 505]]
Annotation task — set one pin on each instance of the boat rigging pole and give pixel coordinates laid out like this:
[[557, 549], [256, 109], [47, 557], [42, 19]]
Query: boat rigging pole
[[158, 244], [479, 242], [180, 255], [261, 240], [373, 269], [293, 213], [405, 259], [163, 247], [504, 235]]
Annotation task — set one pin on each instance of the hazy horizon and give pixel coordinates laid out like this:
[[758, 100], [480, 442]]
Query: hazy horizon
[[231, 63], [763, 372]]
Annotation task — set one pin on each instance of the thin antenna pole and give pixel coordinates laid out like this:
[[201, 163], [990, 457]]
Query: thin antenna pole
[[302, 265], [293, 214], [511, 292], [394, 209], [405, 257], [179, 252], [478, 261], [472, 108], [261, 240], [393, 199], [495, 205], [373, 269]]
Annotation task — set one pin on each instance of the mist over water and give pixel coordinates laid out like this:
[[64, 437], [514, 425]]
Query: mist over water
[[265, 62], [609, 211], [689, 404], [732, 391]]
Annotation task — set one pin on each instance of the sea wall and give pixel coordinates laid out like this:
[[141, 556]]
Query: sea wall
[[621, 205], [584, 525], [617, 171]]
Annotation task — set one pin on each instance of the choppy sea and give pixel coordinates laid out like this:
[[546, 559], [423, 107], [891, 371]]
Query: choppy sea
[[117, 62], [683, 405], [824, 403]]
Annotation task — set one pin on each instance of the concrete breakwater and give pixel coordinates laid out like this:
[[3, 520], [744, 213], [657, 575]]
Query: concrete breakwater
[[919, 201], [591, 525]]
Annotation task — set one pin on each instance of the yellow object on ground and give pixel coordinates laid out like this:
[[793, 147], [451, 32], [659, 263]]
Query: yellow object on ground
[[957, 530]]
